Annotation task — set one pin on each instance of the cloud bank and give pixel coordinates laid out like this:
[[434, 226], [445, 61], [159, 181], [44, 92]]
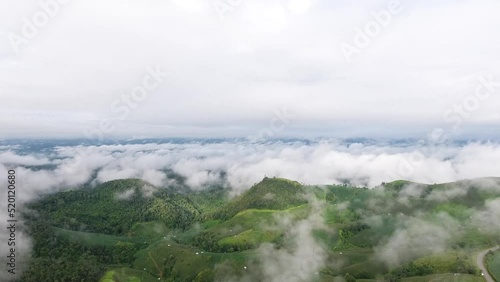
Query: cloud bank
[[241, 164]]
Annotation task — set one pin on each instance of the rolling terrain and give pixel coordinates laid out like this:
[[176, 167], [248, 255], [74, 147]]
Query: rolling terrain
[[130, 230]]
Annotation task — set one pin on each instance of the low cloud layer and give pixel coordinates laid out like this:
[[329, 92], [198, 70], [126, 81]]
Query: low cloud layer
[[242, 163]]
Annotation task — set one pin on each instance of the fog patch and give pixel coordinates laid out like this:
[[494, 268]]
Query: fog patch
[[303, 257], [416, 238], [125, 195], [488, 219]]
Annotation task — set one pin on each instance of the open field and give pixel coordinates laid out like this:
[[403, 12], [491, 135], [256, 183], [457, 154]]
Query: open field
[[493, 264]]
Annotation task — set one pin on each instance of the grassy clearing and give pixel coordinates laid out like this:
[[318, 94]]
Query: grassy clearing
[[493, 264], [452, 261], [458, 211], [92, 239], [475, 238], [358, 261], [250, 237], [167, 259], [149, 230], [127, 275], [255, 226], [448, 277]]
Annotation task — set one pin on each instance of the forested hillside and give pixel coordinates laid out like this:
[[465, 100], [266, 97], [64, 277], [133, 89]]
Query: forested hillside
[[130, 230]]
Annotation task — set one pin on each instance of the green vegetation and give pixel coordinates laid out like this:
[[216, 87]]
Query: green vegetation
[[246, 230], [114, 207], [452, 277], [91, 239], [58, 256], [129, 230], [270, 193], [127, 275], [493, 264]]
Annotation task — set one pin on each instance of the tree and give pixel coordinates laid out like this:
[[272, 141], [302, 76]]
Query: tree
[[349, 278], [206, 275]]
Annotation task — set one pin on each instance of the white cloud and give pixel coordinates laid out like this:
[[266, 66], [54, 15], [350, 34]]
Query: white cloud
[[9, 157], [416, 238], [125, 195], [299, 7], [487, 218], [323, 162]]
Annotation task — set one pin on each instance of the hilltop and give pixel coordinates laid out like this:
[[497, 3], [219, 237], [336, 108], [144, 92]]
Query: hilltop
[[270, 193]]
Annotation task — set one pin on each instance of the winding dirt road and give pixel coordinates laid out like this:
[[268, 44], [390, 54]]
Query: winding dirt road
[[480, 263]]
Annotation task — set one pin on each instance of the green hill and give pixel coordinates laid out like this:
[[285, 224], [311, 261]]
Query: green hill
[[270, 193], [130, 230], [113, 207]]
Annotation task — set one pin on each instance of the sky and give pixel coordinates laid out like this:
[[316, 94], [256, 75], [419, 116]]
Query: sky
[[238, 68]]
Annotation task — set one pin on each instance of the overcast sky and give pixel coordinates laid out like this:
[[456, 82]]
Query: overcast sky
[[229, 68]]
